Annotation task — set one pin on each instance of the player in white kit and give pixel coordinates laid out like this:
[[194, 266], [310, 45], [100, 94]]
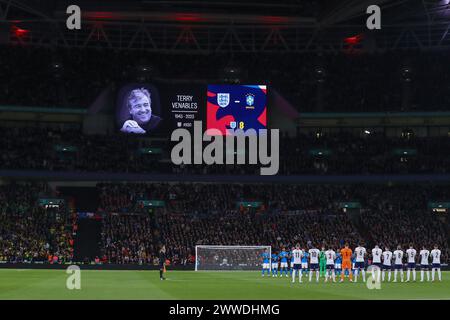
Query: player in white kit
[[376, 261], [360, 253], [398, 263], [411, 257], [436, 263], [330, 255], [387, 263], [297, 254], [314, 263], [424, 266]]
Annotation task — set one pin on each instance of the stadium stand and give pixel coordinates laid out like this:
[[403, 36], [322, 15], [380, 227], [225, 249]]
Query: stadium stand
[[308, 214], [350, 153], [373, 82]]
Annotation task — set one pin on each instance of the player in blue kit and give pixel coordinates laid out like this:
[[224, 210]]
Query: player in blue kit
[[284, 262], [338, 264], [266, 262], [274, 265], [354, 265], [305, 258]]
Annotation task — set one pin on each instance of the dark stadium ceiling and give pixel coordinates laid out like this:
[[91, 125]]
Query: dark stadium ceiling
[[229, 25], [325, 12]]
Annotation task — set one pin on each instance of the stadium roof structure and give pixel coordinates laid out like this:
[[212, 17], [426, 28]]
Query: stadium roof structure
[[229, 25]]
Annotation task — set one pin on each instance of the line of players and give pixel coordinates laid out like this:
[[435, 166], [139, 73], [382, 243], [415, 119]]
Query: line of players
[[344, 263]]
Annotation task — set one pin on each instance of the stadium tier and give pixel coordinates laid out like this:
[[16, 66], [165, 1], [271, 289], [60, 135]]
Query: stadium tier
[[131, 220], [372, 82], [48, 149]]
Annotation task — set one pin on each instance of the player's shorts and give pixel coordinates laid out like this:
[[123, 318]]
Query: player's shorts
[[274, 265], [313, 266], [424, 266], [330, 266], [346, 265], [338, 266], [411, 265], [266, 266], [377, 264], [359, 265], [398, 267], [387, 267], [283, 265], [436, 265], [304, 265], [296, 266]]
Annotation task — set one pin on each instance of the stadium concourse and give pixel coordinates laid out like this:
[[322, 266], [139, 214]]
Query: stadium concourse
[[123, 231]]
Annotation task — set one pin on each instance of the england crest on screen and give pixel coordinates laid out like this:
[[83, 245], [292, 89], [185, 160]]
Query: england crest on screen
[[223, 99]]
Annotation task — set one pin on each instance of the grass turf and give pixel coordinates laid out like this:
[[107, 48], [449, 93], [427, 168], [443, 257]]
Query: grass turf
[[105, 284]]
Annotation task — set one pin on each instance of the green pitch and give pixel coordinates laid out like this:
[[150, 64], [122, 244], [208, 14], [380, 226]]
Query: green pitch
[[51, 284]]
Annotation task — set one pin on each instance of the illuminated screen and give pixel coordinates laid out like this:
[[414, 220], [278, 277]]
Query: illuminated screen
[[145, 109], [139, 109], [236, 107]]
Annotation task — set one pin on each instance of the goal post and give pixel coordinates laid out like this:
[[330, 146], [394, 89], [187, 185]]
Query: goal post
[[229, 258]]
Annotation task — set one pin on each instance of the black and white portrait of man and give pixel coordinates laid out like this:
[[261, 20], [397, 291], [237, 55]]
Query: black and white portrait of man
[[137, 113]]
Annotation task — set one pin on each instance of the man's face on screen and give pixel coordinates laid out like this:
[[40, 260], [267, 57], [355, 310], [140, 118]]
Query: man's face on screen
[[140, 109]]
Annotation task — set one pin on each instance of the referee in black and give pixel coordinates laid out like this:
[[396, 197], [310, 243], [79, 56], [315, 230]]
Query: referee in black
[[162, 262]]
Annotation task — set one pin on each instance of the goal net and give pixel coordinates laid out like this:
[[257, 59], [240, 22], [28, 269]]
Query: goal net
[[229, 257]]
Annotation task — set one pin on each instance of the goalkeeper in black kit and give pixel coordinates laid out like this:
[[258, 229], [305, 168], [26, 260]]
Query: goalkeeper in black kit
[[162, 262]]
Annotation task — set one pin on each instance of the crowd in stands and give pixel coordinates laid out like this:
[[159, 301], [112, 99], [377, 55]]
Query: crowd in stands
[[30, 233], [197, 214], [128, 239], [212, 213], [349, 82], [331, 153]]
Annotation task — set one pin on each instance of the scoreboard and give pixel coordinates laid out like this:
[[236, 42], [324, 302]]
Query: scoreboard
[[236, 107]]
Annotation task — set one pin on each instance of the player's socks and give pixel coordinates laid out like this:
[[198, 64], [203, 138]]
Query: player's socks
[[421, 275], [383, 275], [317, 276], [310, 276], [363, 275], [395, 275], [300, 275], [293, 276], [333, 275], [376, 274], [414, 275], [408, 273], [439, 274], [401, 276], [428, 275], [389, 276]]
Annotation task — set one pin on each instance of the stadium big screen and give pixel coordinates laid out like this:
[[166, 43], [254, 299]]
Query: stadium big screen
[[147, 109]]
